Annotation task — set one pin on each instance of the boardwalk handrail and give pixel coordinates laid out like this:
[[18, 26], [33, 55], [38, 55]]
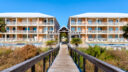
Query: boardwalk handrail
[[30, 63], [75, 54]]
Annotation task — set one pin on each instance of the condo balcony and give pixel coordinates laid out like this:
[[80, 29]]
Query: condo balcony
[[105, 31], [99, 24], [97, 39], [29, 23], [109, 39], [10, 23], [46, 23]]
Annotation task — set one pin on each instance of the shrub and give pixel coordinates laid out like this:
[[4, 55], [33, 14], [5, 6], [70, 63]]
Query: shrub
[[76, 41], [50, 43], [95, 51]]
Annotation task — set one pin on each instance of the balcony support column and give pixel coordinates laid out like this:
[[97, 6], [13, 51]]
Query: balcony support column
[[47, 29], [118, 29], [107, 30], [86, 29], [16, 29], [27, 29], [37, 29]]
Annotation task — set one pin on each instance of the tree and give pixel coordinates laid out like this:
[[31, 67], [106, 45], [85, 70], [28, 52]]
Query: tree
[[76, 41], [63, 35], [50, 43], [2, 25], [125, 29]]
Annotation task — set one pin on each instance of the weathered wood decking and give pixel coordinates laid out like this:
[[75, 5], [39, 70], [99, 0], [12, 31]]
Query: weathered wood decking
[[63, 62]]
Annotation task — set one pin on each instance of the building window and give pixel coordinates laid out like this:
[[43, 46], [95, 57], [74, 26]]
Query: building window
[[99, 36], [45, 21], [90, 36], [8, 36], [24, 28], [110, 29], [117, 28], [110, 21], [45, 29], [34, 28], [99, 28], [116, 36], [14, 28], [24, 36], [110, 36], [7, 28], [73, 29], [73, 21], [117, 21], [14, 36], [51, 28], [51, 21], [79, 29], [79, 21], [51, 36], [99, 21], [89, 28], [89, 21]]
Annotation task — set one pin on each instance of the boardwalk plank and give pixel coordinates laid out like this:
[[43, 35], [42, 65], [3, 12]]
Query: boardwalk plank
[[63, 62]]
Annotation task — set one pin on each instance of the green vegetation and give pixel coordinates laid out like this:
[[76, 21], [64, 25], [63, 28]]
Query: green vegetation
[[50, 43], [125, 29], [2, 25], [117, 58], [9, 57], [76, 41], [63, 35]]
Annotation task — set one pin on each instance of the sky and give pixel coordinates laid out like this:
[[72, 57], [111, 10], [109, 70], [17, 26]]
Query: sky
[[63, 9]]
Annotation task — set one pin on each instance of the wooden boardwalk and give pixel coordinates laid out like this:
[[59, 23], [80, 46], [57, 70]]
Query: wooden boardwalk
[[63, 62]]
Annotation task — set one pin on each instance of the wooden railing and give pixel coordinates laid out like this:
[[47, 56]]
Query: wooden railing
[[30, 63], [98, 64]]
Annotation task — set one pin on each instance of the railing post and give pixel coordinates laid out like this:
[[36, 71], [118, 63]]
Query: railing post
[[75, 58], [78, 60], [84, 63], [96, 69], [52, 56], [44, 64], [49, 60], [33, 68]]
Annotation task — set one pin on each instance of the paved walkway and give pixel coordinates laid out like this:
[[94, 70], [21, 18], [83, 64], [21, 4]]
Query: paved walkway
[[63, 62]]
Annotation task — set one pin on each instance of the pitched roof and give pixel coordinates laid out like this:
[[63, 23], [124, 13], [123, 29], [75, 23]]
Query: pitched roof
[[102, 15], [24, 15]]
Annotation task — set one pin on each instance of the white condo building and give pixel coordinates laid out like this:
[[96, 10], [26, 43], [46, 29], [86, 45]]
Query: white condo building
[[98, 27], [29, 27]]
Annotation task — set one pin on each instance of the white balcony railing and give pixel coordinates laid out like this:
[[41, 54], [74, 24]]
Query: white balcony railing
[[105, 31], [100, 23], [32, 31], [21, 31], [97, 39], [10, 23]]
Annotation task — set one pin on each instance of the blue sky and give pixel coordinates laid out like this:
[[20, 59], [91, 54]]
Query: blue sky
[[62, 9]]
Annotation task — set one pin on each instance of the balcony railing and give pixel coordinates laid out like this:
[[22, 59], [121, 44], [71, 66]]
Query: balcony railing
[[105, 31], [117, 40], [11, 23], [32, 31], [101, 23], [46, 23], [21, 31], [97, 39]]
